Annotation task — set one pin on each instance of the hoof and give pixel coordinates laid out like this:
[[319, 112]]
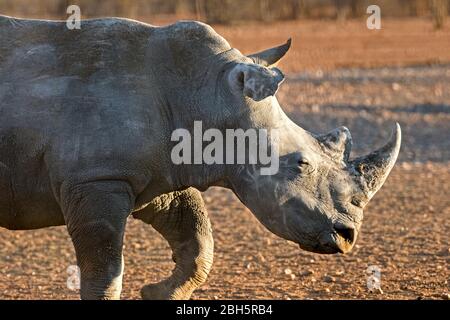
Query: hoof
[[159, 291], [156, 291]]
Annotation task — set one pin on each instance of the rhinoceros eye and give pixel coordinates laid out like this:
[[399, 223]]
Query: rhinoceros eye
[[356, 202], [305, 166], [303, 163]]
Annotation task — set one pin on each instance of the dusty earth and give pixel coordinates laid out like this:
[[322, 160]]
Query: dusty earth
[[406, 232]]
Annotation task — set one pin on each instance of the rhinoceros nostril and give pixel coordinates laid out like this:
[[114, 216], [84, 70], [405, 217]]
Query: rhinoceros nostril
[[345, 232]]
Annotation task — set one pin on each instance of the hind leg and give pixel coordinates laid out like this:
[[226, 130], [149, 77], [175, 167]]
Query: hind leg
[[181, 218]]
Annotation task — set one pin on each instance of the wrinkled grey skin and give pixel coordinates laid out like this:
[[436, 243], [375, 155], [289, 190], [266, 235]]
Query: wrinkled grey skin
[[182, 219], [86, 118]]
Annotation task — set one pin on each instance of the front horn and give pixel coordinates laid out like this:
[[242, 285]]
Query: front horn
[[270, 57], [375, 167]]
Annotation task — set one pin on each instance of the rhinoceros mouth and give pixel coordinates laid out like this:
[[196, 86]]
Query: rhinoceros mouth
[[321, 249], [340, 239]]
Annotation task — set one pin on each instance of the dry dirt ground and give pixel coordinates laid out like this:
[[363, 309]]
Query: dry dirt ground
[[406, 232]]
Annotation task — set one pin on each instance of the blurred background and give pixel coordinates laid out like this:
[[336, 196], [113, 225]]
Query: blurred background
[[231, 11], [338, 73], [327, 33]]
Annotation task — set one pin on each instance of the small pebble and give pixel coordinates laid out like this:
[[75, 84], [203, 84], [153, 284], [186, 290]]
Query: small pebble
[[315, 108], [287, 271], [329, 279], [261, 257], [395, 86], [307, 273]]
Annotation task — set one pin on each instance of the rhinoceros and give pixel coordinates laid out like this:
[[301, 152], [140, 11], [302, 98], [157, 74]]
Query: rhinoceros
[[86, 123]]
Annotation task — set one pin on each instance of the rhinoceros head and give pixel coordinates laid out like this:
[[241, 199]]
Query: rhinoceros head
[[317, 196]]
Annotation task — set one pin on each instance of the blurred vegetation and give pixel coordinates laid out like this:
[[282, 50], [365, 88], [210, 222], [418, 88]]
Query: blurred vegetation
[[439, 9], [231, 11]]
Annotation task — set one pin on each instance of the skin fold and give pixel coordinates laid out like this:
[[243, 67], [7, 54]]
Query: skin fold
[[181, 218]]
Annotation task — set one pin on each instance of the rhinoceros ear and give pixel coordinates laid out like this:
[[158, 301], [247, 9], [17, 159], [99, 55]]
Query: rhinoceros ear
[[254, 81]]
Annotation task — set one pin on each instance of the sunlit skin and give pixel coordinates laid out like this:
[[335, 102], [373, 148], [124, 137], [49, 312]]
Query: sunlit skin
[[86, 118]]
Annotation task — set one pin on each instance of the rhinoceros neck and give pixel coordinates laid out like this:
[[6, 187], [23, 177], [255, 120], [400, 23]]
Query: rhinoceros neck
[[192, 112], [224, 118]]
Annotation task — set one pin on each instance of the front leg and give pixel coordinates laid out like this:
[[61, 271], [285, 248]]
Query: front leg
[[181, 218], [95, 214]]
